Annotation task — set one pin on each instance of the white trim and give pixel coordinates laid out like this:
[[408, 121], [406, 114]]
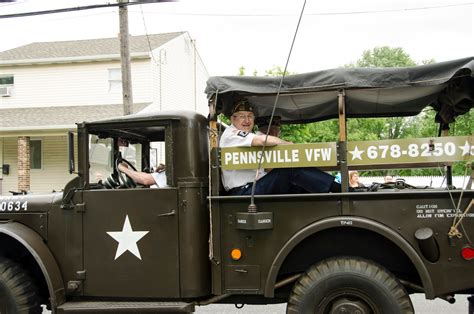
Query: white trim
[[40, 132], [111, 57], [38, 128]]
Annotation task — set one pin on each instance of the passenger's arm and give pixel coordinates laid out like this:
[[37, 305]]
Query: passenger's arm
[[259, 140]]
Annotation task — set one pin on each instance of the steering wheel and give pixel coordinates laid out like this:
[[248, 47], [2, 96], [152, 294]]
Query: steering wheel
[[120, 180], [125, 180]]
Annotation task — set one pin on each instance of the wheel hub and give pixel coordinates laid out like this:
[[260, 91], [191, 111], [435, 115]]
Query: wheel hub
[[346, 306]]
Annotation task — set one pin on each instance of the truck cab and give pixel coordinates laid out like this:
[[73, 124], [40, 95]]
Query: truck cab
[[112, 238]]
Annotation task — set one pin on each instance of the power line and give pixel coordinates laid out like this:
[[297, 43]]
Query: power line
[[98, 6], [321, 13], [88, 7]]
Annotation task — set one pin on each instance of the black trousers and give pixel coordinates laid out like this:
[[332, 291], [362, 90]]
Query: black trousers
[[289, 181]]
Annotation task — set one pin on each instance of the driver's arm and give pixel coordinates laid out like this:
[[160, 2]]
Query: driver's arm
[[142, 178]]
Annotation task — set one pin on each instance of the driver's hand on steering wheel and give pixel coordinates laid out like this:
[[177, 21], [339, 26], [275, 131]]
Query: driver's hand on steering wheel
[[122, 166]]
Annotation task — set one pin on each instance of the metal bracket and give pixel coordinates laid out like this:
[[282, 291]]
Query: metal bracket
[[254, 221], [80, 208], [171, 213]]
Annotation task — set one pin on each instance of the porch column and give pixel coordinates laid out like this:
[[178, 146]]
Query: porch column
[[23, 163]]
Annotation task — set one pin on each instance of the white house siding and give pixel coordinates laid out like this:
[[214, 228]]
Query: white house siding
[[1, 156], [55, 165], [178, 80], [54, 174], [1, 163], [73, 84], [10, 181]]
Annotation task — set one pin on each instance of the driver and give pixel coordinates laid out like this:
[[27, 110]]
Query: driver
[[156, 179]]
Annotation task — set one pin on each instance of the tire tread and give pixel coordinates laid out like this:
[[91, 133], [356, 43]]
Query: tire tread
[[352, 265], [21, 286]]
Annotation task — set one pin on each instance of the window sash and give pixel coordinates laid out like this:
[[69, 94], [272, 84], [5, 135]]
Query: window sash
[[7, 80], [36, 154]]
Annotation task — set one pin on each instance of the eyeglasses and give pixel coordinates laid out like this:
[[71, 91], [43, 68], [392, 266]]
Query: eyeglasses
[[243, 117]]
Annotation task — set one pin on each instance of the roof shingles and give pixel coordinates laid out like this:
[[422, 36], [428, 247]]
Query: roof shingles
[[85, 48], [60, 116]]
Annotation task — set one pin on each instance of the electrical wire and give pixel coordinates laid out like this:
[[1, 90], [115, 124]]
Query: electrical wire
[[73, 9], [148, 38], [319, 14], [98, 6], [252, 199]]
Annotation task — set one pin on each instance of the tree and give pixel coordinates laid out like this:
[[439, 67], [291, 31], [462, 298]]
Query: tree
[[384, 57]]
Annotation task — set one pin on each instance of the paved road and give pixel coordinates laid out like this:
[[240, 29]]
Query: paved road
[[421, 305]]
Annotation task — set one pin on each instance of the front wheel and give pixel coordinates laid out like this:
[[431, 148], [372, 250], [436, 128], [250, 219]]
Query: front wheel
[[18, 294], [348, 285]]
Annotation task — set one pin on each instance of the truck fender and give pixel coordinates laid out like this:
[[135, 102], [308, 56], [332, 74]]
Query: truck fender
[[42, 255], [358, 222]]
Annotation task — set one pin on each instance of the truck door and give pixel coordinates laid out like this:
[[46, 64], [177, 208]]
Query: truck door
[[131, 243]]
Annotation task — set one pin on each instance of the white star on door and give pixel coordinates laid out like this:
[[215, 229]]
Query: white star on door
[[127, 239]]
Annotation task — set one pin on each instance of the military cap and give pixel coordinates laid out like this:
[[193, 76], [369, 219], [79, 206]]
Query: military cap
[[242, 105]]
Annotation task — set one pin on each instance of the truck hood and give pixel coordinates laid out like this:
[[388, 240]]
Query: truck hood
[[29, 202]]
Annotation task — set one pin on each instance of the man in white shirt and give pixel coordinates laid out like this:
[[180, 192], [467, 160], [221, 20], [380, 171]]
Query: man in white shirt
[[277, 181]]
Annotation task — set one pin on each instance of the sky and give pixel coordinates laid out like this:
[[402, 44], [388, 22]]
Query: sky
[[257, 34]]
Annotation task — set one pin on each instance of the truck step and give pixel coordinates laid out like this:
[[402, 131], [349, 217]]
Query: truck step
[[125, 307]]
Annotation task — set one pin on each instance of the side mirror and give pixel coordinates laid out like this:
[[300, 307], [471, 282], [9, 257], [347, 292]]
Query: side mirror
[[72, 166]]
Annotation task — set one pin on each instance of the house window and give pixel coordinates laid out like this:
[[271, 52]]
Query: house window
[[115, 80], [6, 80], [6, 85], [36, 154]]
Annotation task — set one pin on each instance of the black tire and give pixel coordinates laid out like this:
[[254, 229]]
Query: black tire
[[18, 294], [348, 285]]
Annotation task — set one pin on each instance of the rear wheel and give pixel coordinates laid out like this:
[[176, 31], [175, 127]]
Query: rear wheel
[[18, 294], [348, 285]]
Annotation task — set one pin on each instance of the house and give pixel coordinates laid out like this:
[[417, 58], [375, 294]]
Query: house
[[48, 87]]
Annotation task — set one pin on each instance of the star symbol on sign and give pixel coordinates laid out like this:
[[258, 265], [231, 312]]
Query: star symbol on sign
[[466, 148], [356, 153], [127, 239]]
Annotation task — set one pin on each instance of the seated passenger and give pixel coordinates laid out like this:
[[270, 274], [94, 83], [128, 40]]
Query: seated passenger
[[263, 124], [156, 179], [354, 180], [277, 181], [388, 179]]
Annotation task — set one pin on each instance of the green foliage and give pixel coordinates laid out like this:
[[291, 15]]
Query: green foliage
[[222, 118], [275, 71], [385, 57], [428, 61]]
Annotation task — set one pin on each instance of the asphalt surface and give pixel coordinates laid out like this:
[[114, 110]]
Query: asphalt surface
[[422, 306]]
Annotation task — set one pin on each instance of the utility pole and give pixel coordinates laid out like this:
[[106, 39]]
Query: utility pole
[[125, 59]]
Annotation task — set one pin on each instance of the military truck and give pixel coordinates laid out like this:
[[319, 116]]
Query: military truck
[[106, 244]]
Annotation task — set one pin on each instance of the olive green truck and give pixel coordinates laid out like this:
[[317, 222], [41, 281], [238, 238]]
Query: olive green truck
[[106, 244]]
